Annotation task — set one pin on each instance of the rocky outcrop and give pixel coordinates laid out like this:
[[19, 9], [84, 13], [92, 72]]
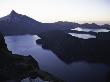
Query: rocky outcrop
[[69, 48]]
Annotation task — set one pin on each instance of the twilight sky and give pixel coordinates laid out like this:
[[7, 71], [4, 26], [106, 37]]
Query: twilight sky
[[59, 10]]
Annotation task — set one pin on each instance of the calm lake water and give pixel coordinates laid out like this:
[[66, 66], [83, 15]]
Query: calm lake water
[[86, 36], [88, 30], [48, 61]]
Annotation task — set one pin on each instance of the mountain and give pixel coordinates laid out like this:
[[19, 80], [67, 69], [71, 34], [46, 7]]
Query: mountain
[[16, 18], [17, 24], [107, 26], [92, 26]]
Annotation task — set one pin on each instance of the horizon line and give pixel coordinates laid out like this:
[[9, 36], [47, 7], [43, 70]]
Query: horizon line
[[73, 21]]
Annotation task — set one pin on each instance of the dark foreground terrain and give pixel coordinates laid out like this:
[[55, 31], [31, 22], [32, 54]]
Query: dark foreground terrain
[[70, 49]]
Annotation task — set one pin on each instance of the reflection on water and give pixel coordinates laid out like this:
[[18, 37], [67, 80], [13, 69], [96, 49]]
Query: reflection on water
[[48, 61]]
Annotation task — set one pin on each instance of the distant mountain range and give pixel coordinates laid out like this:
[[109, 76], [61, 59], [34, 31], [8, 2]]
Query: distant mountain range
[[16, 24]]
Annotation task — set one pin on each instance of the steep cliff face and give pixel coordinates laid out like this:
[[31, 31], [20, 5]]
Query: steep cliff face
[[14, 66]]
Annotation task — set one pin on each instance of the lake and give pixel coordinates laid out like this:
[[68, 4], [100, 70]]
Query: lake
[[79, 71], [88, 30], [86, 36]]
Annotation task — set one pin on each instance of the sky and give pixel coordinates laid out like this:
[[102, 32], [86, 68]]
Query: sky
[[59, 10]]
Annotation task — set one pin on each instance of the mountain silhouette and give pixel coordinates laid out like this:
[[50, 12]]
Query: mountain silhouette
[[15, 17], [17, 24]]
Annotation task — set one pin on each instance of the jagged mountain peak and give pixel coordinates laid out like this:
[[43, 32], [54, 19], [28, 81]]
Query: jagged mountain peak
[[13, 12], [12, 16], [16, 18]]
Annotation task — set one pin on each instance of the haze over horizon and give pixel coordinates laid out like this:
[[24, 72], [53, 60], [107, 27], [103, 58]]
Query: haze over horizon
[[59, 10]]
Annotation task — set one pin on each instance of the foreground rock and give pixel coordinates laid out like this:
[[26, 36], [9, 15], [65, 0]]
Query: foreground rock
[[14, 67], [69, 48]]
